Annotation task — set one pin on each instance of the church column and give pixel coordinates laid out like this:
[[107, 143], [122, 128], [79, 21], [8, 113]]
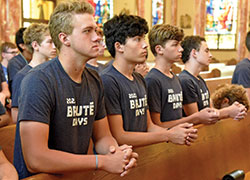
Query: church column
[[200, 17], [10, 19], [174, 12], [243, 23], [140, 8]]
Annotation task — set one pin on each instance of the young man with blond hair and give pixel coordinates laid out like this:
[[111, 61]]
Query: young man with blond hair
[[165, 94], [61, 105], [125, 90], [196, 95], [37, 39]]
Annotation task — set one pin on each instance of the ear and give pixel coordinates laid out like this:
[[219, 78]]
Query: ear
[[225, 101], [159, 49], [22, 46], [64, 38], [119, 47], [35, 45], [193, 53]]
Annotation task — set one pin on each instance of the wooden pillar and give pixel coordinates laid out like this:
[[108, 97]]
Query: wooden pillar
[[140, 8], [10, 19], [243, 24], [174, 12], [200, 17]]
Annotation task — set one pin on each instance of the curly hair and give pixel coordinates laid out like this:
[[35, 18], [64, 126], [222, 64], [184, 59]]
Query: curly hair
[[232, 92], [121, 27], [188, 44], [161, 33], [35, 32]]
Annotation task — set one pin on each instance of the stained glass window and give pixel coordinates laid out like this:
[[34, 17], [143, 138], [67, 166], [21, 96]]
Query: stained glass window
[[103, 10], [157, 12], [221, 25], [36, 11]]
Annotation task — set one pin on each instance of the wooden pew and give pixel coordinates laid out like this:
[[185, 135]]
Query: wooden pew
[[211, 74], [220, 149], [212, 83], [7, 139]]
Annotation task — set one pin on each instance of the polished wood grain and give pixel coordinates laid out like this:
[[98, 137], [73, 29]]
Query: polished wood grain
[[220, 149]]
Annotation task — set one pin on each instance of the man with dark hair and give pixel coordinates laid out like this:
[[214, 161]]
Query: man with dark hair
[[19, 61], [241, 73], [61, 105], [196, 95], [164, 89], [125, 90]]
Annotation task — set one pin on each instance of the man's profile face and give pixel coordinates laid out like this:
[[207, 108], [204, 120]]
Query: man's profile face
[[9, 53]]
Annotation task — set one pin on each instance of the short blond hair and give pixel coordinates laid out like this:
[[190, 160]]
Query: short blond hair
[[161, 33], [61, 20], [35, 32], [232, 92]]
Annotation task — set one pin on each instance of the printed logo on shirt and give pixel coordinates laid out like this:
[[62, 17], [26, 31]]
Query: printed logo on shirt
[[79, 113], [138, 104], [205, 97], [175, 99]]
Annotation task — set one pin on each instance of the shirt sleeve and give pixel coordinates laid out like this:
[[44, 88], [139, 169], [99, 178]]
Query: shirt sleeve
[[35, 101], [111, 94], [189, 91], [244, 78], [154, 95]]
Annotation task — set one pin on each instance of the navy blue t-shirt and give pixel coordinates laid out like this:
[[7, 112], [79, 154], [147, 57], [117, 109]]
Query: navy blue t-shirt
[[16, 85], [2, 77], [164, 95], [194, 90], [242, 73], [50, 96], [127, 98], [2, 109], [14, 65], [97, 69]]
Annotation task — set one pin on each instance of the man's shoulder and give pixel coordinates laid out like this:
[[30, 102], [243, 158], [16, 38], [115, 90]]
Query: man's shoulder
[[15, 59], [184, 75], [244, 64]]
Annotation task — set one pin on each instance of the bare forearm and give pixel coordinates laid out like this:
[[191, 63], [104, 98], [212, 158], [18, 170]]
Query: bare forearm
[[189, 119], [8, 172], [53, 161], [14, 113], [102, 145], [137, 139]]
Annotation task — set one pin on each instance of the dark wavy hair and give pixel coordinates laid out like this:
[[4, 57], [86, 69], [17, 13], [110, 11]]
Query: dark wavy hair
[[19, 38], [121, 27], [188, 44], [248, 41]]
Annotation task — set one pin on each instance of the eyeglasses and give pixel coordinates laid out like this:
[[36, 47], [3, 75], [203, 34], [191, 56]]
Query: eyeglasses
[[14, 52]]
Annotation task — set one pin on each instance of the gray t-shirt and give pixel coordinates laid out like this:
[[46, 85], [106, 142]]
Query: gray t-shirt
[[194, 90], [164, 95], [242, 73], [127, 98]]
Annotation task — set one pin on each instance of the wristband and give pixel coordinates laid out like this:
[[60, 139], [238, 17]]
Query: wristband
[[96, 162]]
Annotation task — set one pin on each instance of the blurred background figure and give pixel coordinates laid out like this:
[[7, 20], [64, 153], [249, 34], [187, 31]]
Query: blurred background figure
[[92, 63], [8, 50]]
